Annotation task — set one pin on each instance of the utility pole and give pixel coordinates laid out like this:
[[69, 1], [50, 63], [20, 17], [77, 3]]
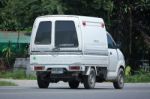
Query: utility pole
[[130, 30]]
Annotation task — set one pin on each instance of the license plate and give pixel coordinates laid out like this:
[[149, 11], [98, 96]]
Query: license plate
[[56, 70]]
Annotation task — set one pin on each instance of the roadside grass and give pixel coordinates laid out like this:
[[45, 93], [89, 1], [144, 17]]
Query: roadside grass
[[140, 77], [16, 74], [7, 83]]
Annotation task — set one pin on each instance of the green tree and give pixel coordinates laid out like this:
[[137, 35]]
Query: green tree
[[127, 20], [20, 14]]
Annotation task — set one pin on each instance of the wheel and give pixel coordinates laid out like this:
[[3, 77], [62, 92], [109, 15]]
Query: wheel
[[42, 81], [89, 80], [73, 84], [119, 83]]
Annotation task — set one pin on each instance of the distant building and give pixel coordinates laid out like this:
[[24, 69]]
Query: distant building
[[19, 41]]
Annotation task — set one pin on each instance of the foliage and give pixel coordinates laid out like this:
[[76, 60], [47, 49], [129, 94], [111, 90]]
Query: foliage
[[8, 55], [16, 74], [6, 83], [142, 76], [10, 52], [127, 71], [127, 20], [28, 31], [20, 14], [7, 51]]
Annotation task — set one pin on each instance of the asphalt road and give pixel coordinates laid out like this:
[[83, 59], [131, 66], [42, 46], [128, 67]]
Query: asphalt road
[[62, 91]]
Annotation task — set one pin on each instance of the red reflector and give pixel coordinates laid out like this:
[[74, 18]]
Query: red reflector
[[74, 67], [84, 23], [39, 67], [102, 25]]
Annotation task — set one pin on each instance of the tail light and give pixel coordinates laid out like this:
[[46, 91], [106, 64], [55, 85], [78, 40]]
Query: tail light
[[39, 68], [84, 23], [74, 68], [102, 25]]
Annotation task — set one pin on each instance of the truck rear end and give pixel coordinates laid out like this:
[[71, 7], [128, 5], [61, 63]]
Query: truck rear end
[[56, 50]]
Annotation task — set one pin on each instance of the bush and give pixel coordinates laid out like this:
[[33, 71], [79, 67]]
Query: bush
[[8, 56], [16, 74], [141, 76], [127, 71], [6, 83]]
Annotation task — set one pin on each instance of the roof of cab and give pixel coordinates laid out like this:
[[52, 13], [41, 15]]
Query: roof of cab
[[90, 18], [66, 16]]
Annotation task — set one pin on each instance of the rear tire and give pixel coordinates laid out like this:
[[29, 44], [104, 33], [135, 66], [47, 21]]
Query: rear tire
[[74, 84], [119, 83], [89, 80], [42, 81]]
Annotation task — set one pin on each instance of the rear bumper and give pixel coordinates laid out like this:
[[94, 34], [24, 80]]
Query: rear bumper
[[66, 76]]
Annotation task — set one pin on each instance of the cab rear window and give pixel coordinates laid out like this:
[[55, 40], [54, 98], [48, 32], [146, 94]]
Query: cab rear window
[[65, 34], [43, 35]]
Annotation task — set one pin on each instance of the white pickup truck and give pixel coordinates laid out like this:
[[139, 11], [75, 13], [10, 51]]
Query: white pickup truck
[[74, 49]]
